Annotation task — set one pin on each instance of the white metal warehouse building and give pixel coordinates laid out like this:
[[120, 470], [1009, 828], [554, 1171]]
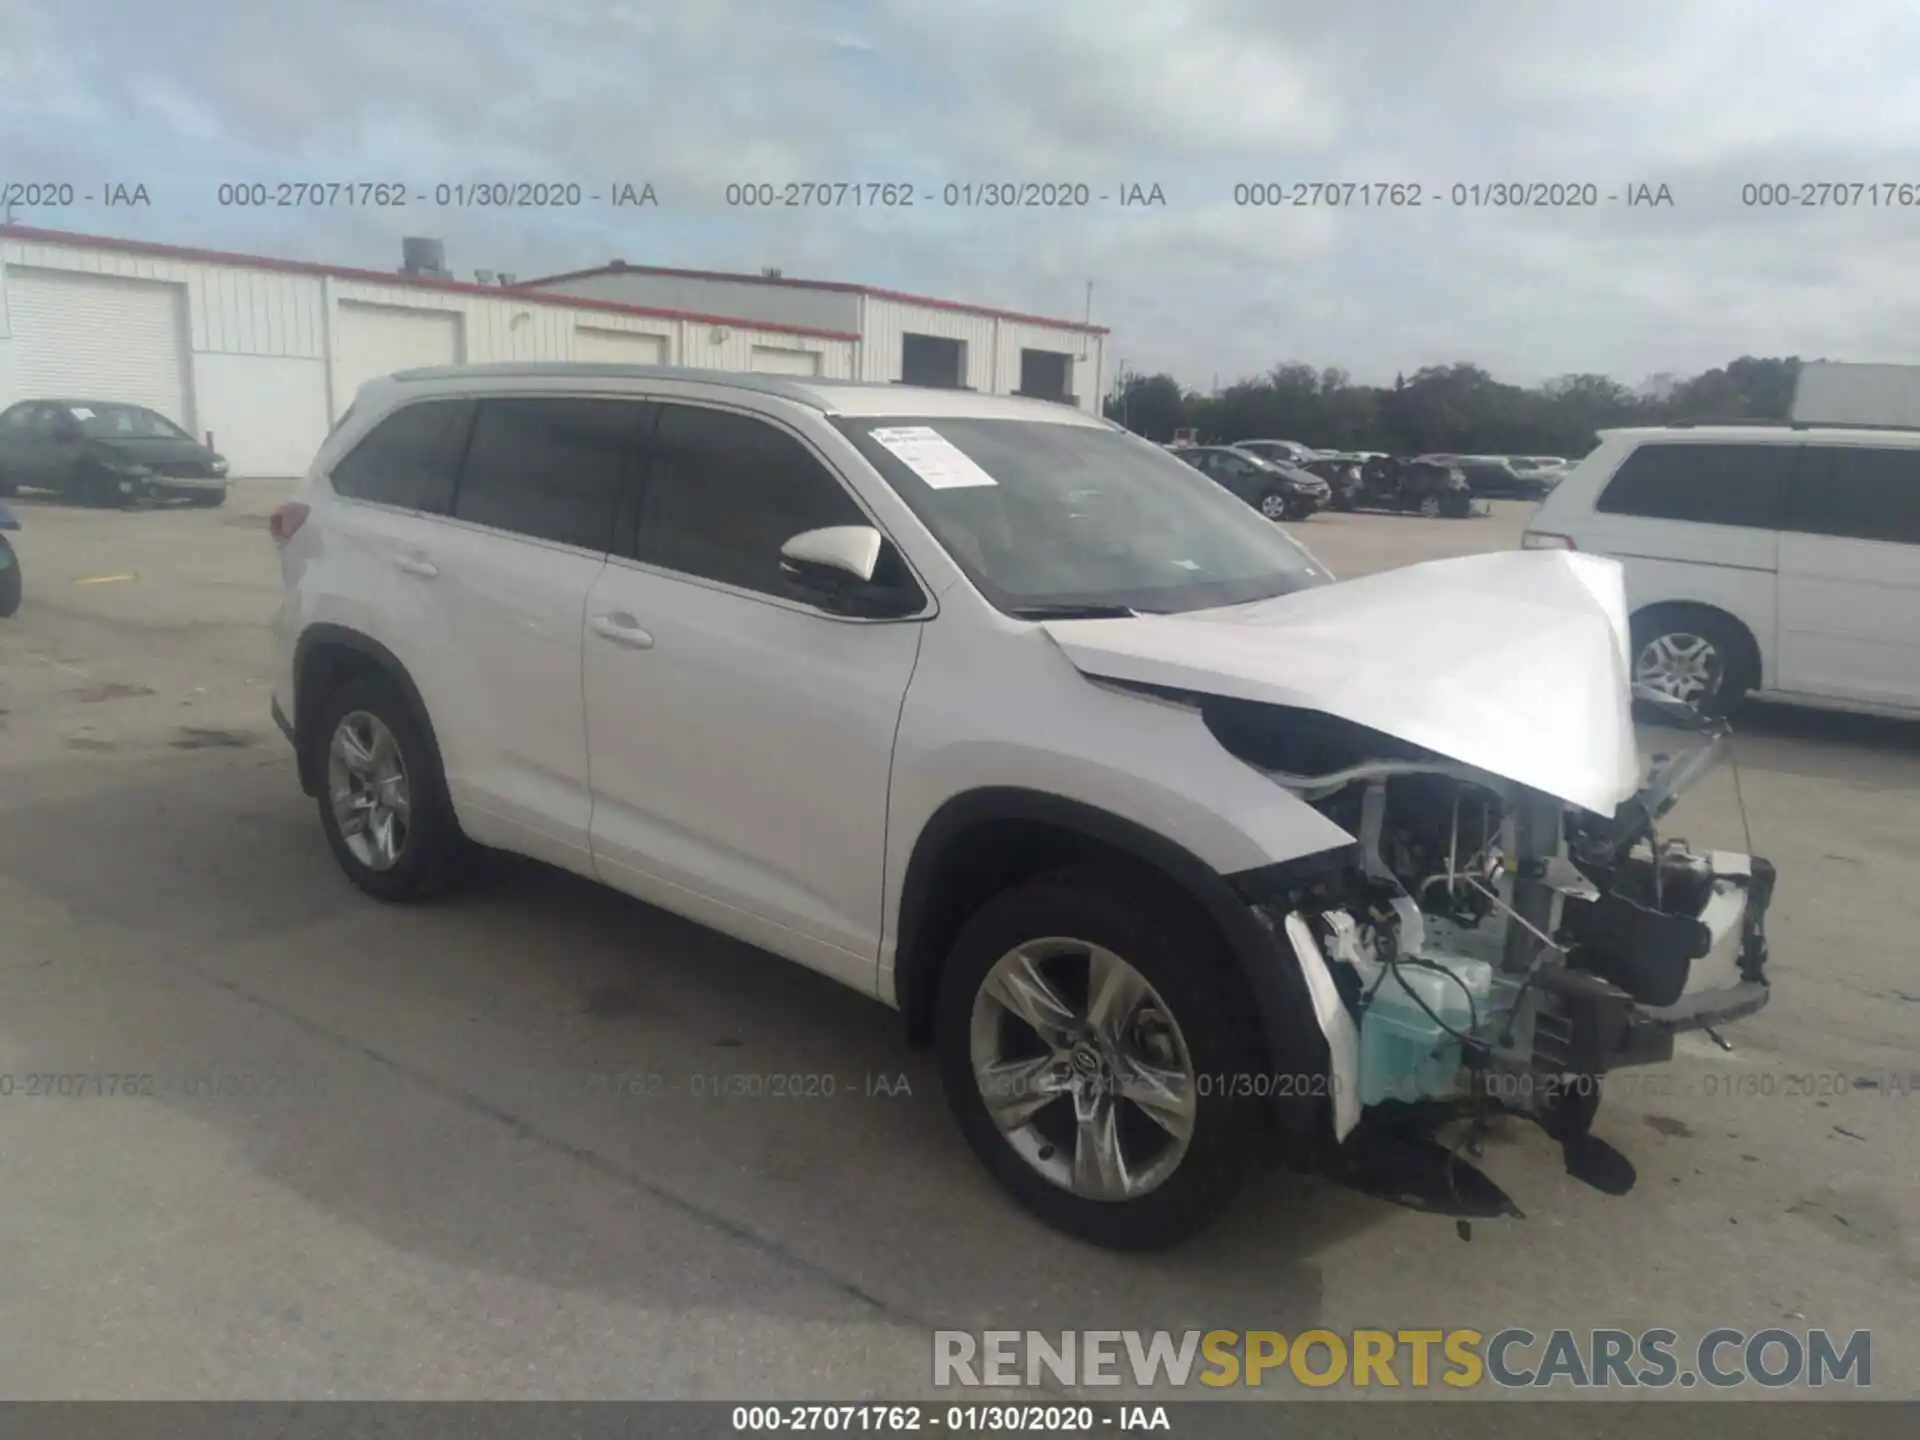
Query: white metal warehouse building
[[264, 354], [911, 339]]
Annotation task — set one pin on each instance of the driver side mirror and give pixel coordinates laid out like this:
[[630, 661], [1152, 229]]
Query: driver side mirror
[[839, 567]]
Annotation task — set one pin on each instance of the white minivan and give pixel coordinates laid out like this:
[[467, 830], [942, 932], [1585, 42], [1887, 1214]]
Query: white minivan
[[1777, 560]]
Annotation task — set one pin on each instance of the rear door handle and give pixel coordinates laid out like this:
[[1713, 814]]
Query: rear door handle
[[622, 629], [417, 565]]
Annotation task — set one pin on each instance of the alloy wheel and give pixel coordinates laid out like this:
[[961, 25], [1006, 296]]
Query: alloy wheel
[[1685, 667], [367, 788], [1274, 506], [1083, 1069]]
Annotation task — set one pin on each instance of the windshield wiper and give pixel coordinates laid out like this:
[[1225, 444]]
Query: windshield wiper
[[1069, 611]]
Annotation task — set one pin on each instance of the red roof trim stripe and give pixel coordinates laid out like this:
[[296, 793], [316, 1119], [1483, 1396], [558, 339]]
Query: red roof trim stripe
[[838, 286], [35, 236]]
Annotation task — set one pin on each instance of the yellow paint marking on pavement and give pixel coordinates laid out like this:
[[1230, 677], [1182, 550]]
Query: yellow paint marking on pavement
[[104, 579]]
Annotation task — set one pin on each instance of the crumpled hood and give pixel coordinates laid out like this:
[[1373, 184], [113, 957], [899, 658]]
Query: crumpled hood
[[1515, 663]]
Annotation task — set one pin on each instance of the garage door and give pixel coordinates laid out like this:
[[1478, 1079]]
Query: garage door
[[771, 360], [99, 337], [376, 340], [619, 347]]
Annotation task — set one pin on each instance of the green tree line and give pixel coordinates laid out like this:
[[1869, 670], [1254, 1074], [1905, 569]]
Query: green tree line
[[1459, 409]]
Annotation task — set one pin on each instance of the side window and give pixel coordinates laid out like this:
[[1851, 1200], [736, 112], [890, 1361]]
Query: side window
[[14, 422], [550, 469], [1709, 484], [408, 459], [1858, 493], [724, 492]]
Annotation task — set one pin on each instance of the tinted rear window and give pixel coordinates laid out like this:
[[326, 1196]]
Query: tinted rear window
[[1858, 493], [551, 469], [408, 459], [1709, 484]]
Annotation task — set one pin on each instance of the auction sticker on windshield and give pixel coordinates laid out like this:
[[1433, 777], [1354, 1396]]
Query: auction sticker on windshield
[[933, 457], [80, 412]]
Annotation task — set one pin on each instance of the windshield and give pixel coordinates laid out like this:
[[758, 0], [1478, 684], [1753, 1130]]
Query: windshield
[[1042, 516], [114, 422]]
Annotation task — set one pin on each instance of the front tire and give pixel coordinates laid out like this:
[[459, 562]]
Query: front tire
[[96, 488], [383, 797], [1274, 505], [1087, 1039], [1456, 505], [1691, 653]]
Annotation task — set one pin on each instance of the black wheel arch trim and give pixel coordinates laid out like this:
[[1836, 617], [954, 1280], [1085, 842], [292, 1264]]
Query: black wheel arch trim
[[1282, 1001], [383, 659]]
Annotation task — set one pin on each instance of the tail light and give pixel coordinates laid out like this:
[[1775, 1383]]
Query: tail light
[[1542, 540], [284, 521]]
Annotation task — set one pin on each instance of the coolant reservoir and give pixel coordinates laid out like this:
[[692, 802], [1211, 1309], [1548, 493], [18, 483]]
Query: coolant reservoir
[[1404, 1054]]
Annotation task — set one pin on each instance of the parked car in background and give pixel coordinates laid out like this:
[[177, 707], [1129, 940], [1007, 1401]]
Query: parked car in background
[[103, 452], [1343, 476], [1283, 452], [1544, 470], [1774, 561], [1419, 486], [1278, 491], [999, 716], [1493, 476]]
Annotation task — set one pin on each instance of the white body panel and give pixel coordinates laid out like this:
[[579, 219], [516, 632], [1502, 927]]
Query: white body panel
[[1040, 725], [1849, 620], [741, 760], [507, 675]]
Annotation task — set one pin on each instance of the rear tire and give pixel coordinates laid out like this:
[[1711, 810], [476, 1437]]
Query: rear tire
[[7, 488], [1190, 1011], [1694, 654], [431, 853]]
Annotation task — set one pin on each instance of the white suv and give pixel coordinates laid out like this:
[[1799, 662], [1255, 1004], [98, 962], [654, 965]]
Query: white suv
[[1177, 852], [1778, 560]]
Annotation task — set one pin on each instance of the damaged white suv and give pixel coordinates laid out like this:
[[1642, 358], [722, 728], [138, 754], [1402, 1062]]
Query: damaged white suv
[[1177, 852]]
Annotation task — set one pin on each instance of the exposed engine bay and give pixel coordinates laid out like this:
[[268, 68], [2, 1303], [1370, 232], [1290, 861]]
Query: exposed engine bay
[[1493, 944]]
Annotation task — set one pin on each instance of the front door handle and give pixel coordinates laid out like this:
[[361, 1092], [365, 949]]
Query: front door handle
[[417, 565], [622, 629]]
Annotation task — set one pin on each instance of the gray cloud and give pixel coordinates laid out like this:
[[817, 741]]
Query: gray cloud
[[1195, 94]]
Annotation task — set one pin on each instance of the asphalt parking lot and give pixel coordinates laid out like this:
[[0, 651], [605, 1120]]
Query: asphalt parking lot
[[437, 1183]]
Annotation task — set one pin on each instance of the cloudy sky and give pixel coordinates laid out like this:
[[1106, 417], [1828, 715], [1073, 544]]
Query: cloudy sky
[[1704, 97]]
